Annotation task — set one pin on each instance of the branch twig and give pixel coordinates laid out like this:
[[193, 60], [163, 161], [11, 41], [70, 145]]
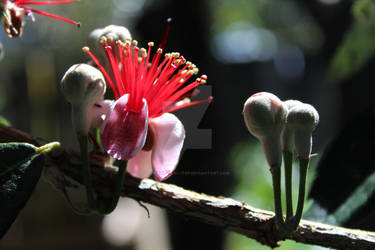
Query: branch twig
[[220, 211]]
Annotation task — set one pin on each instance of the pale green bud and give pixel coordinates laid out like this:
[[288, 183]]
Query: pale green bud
[[112, 33], [264, 115], [287, 136], [83, 86], [303, 119]]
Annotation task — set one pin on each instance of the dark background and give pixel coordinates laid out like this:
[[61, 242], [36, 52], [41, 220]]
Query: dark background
[[283, 47]]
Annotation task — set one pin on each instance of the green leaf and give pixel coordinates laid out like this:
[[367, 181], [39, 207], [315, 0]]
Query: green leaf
[[4, 121], [21, 166], [356, 200], [358, 45]]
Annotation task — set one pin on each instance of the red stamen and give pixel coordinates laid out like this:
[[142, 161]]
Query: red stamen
[[31, 2], [114, 90], [155, 85], [166, 33], [160, 82], [93, 139], [125, 83], [185, 105], [51, 15], [114, 65], [163, 103]]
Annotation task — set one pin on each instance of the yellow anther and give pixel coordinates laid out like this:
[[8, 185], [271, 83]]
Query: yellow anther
[[86, 49], [118, 42], [160, 50], [103, 39], [183, 60], [135, 42], [143, 51], [151, 44], [110, 39]]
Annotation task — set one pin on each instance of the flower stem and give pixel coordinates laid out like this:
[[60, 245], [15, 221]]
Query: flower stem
[[276, 182], [288, 160], [108, 205], [304, 163], [86, 170]]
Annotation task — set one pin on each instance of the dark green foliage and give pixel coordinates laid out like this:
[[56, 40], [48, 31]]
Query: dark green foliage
[[343, 191], [358, 46], [21, 165]]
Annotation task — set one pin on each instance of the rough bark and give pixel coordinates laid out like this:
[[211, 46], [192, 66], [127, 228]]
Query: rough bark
[[223, 212]]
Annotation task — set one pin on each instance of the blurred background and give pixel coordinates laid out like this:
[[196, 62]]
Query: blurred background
[[316, 51]]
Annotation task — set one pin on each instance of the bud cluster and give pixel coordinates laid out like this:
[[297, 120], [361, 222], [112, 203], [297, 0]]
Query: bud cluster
[[280, 126], [283, 128]]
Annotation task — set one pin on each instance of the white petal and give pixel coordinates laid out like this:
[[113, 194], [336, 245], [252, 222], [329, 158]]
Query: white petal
[[169, 139]]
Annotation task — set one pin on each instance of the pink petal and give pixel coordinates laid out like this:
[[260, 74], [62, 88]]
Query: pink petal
[[124, 131], [169, 139], [140, 165]]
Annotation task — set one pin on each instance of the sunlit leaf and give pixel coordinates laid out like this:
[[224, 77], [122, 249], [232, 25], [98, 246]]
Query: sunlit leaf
[[4, 121]]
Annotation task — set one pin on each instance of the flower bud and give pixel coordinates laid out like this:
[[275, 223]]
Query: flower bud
[[287, 136], [114, 32], [264, 116], [83, 86], [303, 119], [12, 16]]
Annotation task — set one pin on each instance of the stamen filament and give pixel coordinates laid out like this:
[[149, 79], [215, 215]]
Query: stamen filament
[[87, 50], [51, 15], [160, 82], [31, 2]]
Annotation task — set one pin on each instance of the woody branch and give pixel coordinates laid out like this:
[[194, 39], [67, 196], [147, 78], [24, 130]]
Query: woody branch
[[223, 212]]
